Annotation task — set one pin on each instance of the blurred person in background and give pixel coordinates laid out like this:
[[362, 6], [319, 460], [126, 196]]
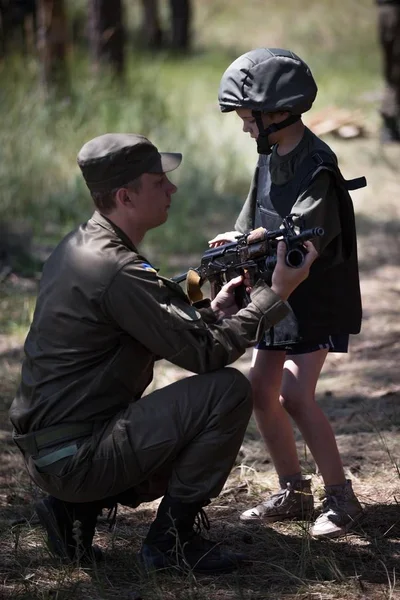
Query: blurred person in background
[[389, 37]]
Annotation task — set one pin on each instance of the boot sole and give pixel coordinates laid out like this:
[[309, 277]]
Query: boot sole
[[165, 564]]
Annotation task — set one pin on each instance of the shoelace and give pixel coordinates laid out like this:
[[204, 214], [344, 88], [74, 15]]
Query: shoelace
[[331, 502], [279, 498]]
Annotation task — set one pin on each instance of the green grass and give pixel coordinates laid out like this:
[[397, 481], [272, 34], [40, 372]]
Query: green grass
[[173, 100], [16, 310]]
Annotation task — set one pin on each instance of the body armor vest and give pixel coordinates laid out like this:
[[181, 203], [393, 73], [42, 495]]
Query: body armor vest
[[319, 310]]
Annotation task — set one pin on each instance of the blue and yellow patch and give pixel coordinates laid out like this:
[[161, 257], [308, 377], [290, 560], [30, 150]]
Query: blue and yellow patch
[[147, 267]]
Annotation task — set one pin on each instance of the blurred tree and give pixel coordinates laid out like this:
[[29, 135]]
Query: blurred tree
[[180, 24], [180, 19], [52, 46], [17, 25], [152, 31], [107, 34]]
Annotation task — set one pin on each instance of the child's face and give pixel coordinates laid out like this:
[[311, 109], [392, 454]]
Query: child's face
[[249, 122]]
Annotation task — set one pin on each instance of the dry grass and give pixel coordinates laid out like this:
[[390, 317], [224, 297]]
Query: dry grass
[[359, 392]]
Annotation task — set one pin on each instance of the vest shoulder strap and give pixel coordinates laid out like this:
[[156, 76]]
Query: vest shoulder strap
[[321, 160]]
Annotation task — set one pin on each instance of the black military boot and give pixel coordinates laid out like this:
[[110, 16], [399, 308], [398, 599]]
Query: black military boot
[[172, 541], [70, 528]]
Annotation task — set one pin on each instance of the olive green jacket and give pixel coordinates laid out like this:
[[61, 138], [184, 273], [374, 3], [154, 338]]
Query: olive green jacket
[[103, 316]]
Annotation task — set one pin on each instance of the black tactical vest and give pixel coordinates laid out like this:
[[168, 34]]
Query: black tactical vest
[[329, 301]]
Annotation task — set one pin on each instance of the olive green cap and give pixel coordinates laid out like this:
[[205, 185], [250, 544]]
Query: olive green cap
[[115, 159]]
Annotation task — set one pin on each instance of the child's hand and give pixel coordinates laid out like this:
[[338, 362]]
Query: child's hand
[[223, 238]]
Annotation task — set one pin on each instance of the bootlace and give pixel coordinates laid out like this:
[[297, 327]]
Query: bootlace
[[112, 516], [201, 522]]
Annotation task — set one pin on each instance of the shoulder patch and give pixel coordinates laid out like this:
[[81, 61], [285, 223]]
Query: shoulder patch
[[184, 310], [147, 267]]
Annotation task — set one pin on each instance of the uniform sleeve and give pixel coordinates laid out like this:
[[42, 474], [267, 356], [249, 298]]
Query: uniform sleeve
[[318, 206], [156, 312]]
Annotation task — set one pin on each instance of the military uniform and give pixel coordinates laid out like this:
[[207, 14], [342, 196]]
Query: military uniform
[[103, 316]]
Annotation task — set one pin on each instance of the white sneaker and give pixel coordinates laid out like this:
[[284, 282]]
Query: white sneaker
[[293, 502], [341, 509]]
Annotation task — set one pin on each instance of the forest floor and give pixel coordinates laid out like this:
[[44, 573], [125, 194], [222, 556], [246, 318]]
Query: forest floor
[[360, 392]]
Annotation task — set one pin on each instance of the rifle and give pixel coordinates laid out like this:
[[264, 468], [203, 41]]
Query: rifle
[[253, 253]]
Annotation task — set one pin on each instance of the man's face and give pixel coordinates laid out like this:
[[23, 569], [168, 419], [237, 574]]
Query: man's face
[[152, 201]]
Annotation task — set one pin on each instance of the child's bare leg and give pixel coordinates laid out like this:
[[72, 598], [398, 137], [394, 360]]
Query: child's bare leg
[[272, 419], [299, 381], [341, 507], [294, 499]]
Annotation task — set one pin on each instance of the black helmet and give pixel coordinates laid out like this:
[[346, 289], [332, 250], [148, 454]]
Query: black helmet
[[268, 80]]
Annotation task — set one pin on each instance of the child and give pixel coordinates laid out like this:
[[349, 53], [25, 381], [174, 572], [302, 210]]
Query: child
[[297, 173]]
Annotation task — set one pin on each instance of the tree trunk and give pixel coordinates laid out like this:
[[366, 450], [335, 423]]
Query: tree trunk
[[17, 26], [152, 31], [107, 34], [180, 22], [52, 45]]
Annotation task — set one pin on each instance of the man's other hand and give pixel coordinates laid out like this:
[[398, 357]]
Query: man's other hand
[[224, 304], [286, 279]]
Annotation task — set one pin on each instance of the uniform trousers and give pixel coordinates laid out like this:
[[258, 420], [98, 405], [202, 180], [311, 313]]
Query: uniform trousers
[[182, 439]]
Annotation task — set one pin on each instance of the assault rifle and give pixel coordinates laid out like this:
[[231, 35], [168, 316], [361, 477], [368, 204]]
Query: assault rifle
[[253, 253]]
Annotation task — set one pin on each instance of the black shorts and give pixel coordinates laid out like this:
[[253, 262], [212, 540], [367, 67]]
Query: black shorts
[[333, 343]]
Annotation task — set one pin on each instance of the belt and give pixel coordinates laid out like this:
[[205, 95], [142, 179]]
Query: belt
[[33, 442]]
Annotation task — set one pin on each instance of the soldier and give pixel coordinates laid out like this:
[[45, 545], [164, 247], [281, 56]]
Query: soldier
[[270, 88], [103, 316], [389, 37]]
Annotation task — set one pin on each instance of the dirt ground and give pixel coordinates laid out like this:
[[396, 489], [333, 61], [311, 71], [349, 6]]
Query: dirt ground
[[359, 391]]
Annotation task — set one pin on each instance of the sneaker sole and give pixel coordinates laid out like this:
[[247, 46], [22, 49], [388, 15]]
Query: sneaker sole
[[275, 518], [330, 535]]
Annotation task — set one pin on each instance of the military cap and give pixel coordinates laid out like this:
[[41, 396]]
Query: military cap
[[114, 159]]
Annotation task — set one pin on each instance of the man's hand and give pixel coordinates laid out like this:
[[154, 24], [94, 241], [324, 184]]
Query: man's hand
[[286, 279], [224, 304]]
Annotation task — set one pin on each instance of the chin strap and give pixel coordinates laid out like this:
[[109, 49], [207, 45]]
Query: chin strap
[[263, 145]]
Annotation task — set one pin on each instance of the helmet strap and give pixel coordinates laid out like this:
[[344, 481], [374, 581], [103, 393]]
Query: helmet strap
[[263, 145]]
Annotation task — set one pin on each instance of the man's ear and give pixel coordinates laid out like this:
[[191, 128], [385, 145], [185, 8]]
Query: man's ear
[[122, 197]]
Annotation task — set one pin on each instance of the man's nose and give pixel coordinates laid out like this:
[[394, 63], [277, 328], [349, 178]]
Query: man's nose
[[172, 188]]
